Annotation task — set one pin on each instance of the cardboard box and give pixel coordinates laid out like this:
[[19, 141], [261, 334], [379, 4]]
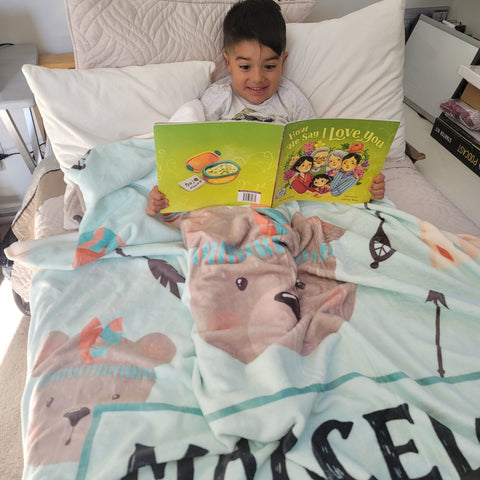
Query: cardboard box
[[471, 95], [458, 142]]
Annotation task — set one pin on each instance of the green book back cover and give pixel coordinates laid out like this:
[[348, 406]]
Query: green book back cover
[[217, 163]]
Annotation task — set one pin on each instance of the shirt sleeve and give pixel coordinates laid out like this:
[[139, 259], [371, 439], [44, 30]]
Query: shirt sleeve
[[216, 100], [304, 110], [296, 103]]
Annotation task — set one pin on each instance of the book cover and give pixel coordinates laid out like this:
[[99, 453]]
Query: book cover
[[457, 141], [237, 163]]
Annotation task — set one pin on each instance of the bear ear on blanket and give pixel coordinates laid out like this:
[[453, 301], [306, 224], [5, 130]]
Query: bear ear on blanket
[[257, 280], [97, 366]]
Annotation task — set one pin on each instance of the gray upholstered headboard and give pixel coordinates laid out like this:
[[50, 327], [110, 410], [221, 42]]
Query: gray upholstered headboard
[[117, 33]]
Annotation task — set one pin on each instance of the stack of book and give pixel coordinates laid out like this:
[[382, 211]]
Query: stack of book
[[456, 137]]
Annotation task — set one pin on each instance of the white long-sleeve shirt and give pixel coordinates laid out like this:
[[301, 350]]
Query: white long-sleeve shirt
[[221, 102]]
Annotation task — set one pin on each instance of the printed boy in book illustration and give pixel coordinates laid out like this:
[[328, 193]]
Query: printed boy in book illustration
[[235, 163]]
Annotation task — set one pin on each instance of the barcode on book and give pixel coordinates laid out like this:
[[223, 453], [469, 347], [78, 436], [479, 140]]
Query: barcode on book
[[250, 197]]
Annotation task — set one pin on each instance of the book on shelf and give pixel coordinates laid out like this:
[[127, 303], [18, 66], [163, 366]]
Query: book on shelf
[[457, 141], [237, 162]]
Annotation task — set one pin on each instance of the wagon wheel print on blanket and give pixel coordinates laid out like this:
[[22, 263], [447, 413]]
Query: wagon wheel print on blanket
[[380, 246]]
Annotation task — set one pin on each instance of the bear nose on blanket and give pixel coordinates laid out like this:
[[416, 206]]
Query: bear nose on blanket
[[291, 300], [74, 416]]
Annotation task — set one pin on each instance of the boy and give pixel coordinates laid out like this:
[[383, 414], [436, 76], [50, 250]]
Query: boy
[[254, 41]]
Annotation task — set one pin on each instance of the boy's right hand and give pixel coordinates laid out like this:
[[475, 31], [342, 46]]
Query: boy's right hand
[[156, 201]]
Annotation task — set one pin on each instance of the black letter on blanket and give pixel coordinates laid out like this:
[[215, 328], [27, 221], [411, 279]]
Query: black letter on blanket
[[142, 457], [391, 453], [242, 452], [186, 469], [447, 439], [277, 460], [324, 453]]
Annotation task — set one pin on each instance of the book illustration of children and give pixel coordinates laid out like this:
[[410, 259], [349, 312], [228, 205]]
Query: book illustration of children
[[349, 174], [301, 179], [320, 184], [334, 162], [319, 156]]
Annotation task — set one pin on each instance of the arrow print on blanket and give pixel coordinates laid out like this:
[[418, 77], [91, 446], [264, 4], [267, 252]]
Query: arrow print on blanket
[[162, 270], [436, 298]]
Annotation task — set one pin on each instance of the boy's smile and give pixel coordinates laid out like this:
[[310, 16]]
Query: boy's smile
[[256, 70]]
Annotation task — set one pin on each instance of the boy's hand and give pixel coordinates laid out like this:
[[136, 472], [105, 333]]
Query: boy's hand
[[156, 201], [377, 189]]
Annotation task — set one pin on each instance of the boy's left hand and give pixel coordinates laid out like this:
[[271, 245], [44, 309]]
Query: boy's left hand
[[377, 189]]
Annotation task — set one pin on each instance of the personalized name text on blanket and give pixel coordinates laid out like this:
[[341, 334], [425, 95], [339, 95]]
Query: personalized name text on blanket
[[328, 462]]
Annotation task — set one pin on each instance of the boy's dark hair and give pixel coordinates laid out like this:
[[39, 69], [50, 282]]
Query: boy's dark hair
[[259, 20]]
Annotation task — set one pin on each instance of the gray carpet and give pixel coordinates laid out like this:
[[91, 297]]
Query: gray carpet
[[12, 380]]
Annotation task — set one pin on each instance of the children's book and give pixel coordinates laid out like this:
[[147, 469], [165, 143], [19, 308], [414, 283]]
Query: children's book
[[237, 163]]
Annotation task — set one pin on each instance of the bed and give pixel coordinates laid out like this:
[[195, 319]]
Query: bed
[[312, 341]]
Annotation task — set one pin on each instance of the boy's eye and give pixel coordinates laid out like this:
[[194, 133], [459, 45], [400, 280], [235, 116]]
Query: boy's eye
[[270, 67], [244, 67]]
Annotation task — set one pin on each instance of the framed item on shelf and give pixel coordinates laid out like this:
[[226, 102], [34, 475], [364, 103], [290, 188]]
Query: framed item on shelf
[[433, 54]]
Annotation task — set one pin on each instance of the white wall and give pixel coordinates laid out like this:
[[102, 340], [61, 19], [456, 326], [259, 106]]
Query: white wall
[[467, 12], [325, 9], [44, 22]]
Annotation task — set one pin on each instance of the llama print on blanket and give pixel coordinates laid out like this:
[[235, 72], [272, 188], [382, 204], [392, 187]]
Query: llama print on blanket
[[97, 366], [256, 280]]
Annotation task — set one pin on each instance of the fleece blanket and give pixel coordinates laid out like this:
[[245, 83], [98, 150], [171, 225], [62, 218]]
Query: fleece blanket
[[313, 341]]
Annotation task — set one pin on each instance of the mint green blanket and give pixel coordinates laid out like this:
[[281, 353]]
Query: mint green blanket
[[314, 341]]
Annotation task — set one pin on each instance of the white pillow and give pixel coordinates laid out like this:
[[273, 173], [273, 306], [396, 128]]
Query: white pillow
[[82, 109], [353, 66]]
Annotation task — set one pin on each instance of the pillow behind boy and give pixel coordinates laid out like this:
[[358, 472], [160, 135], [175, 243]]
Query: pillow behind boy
[[352, 67]]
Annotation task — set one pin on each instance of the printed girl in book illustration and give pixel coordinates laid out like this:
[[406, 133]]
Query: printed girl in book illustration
[[320, 184]]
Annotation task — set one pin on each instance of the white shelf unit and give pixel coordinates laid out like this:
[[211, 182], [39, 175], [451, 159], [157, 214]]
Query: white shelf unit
[[471, 74]]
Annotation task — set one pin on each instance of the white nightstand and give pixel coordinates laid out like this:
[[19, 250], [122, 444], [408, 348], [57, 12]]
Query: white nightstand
[[443, 170], [15, 94]]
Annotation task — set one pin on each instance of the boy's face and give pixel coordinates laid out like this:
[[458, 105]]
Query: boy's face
[[256, 70]]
